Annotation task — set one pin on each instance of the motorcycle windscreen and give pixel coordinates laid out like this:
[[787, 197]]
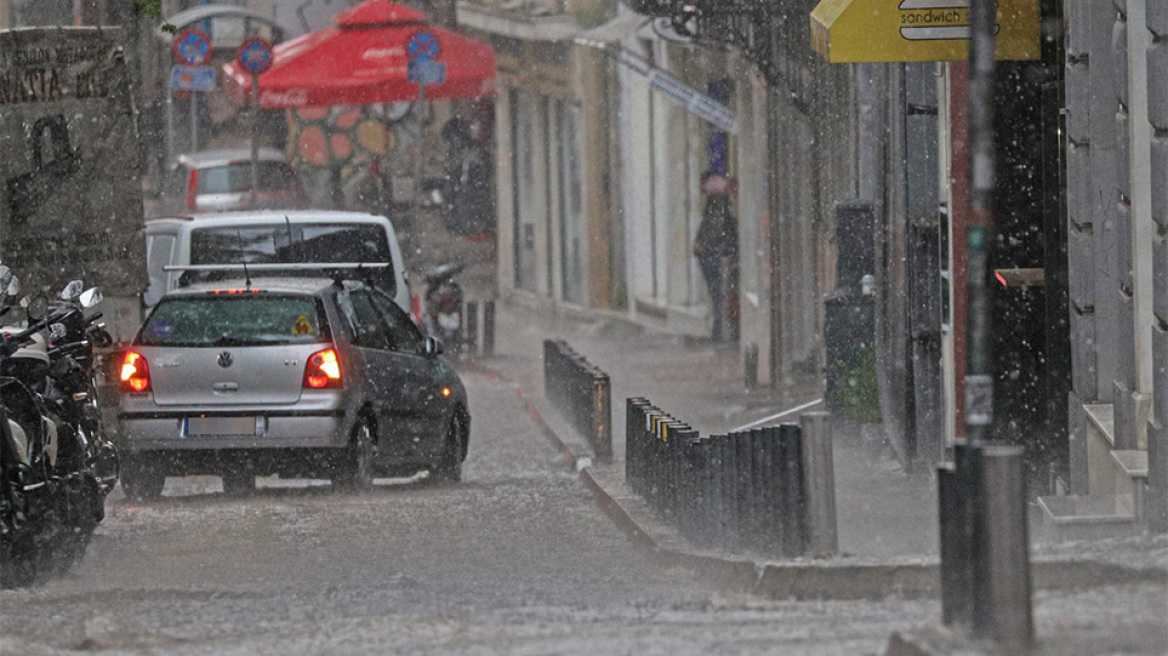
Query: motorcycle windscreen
[[237, 348]]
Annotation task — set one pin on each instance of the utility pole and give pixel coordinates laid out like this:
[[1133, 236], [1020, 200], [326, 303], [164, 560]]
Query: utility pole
[[979, 381]]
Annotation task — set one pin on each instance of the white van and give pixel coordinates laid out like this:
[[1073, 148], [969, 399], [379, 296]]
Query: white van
[[272, 237]]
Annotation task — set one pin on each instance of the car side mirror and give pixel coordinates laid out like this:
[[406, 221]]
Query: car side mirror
[[433, 347]]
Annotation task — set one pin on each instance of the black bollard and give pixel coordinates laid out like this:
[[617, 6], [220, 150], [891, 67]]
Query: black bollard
[[488, 328], [729, 472], [750, 366], [756, 524], [674, 433], [601, 423], [744, 488], [659, 474], [702, 466], [719, 510], [471, 337], [634, 439], [772, 517], [794, 507], [687, 484], [954, 494]]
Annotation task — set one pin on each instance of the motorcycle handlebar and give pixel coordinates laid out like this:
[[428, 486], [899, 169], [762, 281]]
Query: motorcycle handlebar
[[13, 342], [65, 348]]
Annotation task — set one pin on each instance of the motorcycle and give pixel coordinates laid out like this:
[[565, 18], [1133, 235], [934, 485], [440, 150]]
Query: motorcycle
[[443, 311], [52, 454], [73, 384]]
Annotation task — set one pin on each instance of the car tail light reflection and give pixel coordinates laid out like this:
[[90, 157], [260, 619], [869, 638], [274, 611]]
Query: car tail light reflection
[[323, 370], [135, 375]]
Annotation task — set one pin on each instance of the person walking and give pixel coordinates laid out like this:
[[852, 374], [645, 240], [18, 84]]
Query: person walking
[[716, 247]]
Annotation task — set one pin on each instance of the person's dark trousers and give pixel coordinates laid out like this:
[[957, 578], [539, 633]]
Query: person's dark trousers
[[712, 271]]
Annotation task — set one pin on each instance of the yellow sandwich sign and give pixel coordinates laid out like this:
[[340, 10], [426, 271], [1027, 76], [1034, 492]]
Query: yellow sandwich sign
[[917, 30]]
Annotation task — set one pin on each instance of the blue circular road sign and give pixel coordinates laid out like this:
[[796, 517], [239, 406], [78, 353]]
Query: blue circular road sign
[[192, 47], [255, 55], [423, 46]]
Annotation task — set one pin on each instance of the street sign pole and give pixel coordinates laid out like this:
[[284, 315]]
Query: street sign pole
[[255, 56], [192, 48], [423, 48], [418, 160], [169, 126], [194, 102], [979, 382], [255, 134]]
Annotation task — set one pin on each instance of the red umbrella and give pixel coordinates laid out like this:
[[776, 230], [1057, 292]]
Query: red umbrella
[[362, 60]]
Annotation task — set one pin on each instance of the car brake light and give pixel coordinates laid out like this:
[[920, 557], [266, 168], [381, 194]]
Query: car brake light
[[192, 189], [135, 375], [323, 370]]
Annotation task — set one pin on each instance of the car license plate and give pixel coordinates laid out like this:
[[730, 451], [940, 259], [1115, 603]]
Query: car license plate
[[219, 426]]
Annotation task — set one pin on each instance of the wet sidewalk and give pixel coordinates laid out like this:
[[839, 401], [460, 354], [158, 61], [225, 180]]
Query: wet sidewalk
[[883, 512]]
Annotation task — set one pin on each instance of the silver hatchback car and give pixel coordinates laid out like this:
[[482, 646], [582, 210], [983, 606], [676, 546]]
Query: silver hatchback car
[[293, 377]]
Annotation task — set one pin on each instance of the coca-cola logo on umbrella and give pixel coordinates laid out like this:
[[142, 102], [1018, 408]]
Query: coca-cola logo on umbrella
[[288, 98]]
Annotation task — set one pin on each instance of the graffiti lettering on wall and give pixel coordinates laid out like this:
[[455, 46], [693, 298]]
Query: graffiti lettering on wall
[[37, 75], [38, 85], [28, 191]]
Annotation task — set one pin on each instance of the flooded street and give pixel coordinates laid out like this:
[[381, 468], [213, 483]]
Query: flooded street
[[516, 559]]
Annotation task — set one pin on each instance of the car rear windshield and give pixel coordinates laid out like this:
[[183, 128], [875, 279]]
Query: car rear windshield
[[291, 243], [231, 319], [235, 178]]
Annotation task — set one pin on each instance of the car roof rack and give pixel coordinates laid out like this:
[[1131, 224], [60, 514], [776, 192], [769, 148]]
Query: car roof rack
[[334, 270], [276, 266]]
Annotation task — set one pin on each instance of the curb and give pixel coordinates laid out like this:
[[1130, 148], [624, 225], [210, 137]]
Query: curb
[[822, 580]]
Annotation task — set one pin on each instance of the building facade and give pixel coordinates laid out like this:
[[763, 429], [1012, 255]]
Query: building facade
[[599, 174]]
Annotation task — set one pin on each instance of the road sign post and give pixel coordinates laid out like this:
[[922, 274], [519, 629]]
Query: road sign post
[[192, 78], [192, 49], [255, 57], [423, 48]]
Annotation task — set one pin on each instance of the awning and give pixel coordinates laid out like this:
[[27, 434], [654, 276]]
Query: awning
[[917, 30], [363, 60]]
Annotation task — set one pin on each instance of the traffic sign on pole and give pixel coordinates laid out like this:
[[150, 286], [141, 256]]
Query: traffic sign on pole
[[255, 55], [192, 78], [423, 46], [424, 71], [192, 47]]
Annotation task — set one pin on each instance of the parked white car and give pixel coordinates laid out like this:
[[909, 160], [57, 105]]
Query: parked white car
[[176, 247]]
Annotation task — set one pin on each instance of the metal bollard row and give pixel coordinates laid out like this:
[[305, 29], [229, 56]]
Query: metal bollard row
[[743, 490], [582, 392]]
